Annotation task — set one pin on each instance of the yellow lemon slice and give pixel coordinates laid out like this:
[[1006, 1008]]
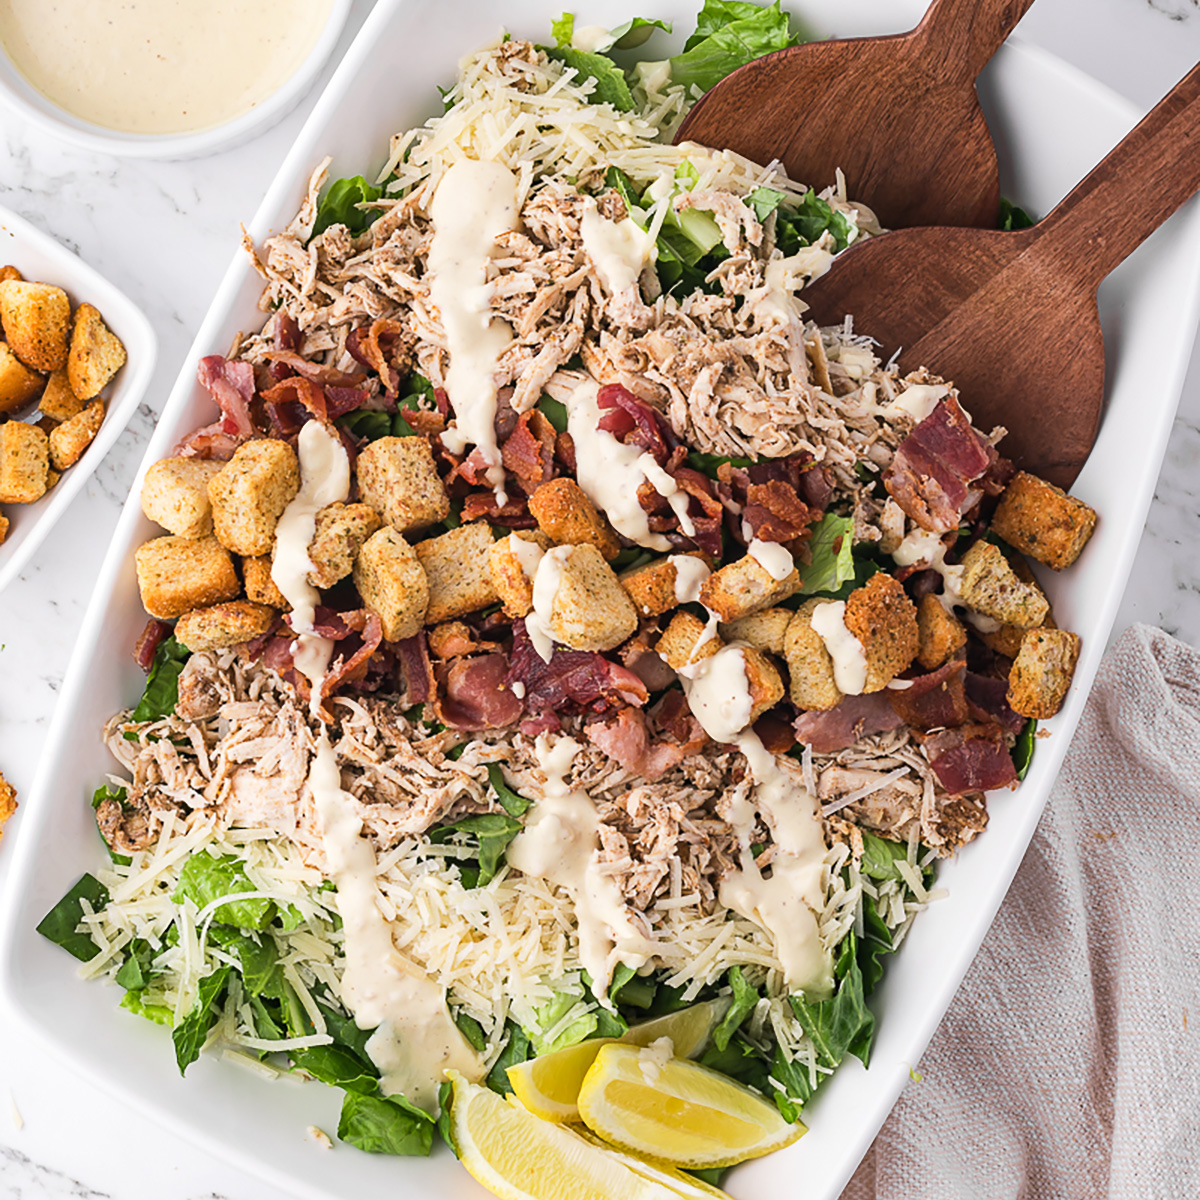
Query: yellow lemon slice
[[678, 1112], [549, 1085], [687, 1186]]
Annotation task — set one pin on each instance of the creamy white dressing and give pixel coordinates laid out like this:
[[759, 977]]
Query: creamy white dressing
[[546, 579], [849, 657], [774, 558], [923, 546], [784, 277], [591, 39], [654, 76], [619, 250], [920, 399], [690, 574], [474, 203], [718, 693], [169, 66]]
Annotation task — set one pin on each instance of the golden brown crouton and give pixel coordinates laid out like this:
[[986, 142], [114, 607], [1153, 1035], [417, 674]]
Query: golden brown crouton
[[223, 625], [512, 569], [260, 587], [590, 609], [939, 633], [397, 478], [884, 620], [1042, 521], [36, 318], [1007, 639], [565, 513], [765, 630], [175, 495], [810, 666], [58, 402], [392, 583], [745, 587], [96, 353], [18, 384], [1042, 672], [178, 574], [457, 567], [653, 588], [250, 493], [763, 681], [24, 462], [8, 802], [341, 530], [9, 272], [687, 640], [991, 587], [70, 439], [3, 528]]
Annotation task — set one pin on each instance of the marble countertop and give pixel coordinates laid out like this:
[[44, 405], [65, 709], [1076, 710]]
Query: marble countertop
[[164, 233]]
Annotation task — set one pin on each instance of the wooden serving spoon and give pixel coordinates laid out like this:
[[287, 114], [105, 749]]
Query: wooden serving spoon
[[1012, 318], [899, 115]]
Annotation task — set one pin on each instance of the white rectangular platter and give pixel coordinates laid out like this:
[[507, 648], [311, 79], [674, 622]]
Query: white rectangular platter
[[1052, 125]]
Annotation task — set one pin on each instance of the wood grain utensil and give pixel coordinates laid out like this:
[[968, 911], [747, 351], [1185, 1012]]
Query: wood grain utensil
[[1012, 318], [899, 115]]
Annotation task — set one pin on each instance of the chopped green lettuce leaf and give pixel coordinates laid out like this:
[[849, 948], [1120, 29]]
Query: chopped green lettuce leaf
[[832, 548], [136, 972], [550, 1015], [338, 205], [385, 1125], [626, 36], [512, 803], [158, 1013], [516, 1050], [162, 684], [745, 997], [880, 856], [494, 831], [728, 35], [554, 411], [802, 224], [470, 1029], [708, 464], [190, 1034], [445, 1099], [611, 86], [369, 423], [61, 922], [204, 879], [1022, 752], [1012, 217], [337, 1067]]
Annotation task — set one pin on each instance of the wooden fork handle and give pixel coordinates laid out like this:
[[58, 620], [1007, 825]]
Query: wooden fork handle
[[1149, 175], [956, 39]]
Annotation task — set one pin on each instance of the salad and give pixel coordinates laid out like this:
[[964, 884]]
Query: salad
[[566, 663]]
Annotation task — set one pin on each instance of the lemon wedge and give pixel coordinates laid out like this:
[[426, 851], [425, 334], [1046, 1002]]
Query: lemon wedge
[[518, 1156], [678, 1112], [549, 1086]]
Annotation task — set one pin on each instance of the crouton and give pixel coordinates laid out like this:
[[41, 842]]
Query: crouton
[[1042, 521], [58, 402], [4, 524], [8, 802], [457, 567], [36, 319], [590, 609], [18, 384], [763, 682], [392, 583], [340, 532], [52, 477], [687, 640], [939, 633], [1042, 672], [176, 575], [175, 495], [223, 625], [260, 587], [513, 566], [567, 516], [70, 439], [96, 353], [991, 587], [397, 478], [1006, 639], [249, 494], [764, 630], [9, 272], [653, 588], [745, 587], [884, 620], [810, 666], [24, 462]]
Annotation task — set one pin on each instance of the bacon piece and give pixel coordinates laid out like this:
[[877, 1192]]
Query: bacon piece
[[253, 650], [987, 700], [416, 669], [514, 515], [427, 424], [287, 402], [645, 662], [528, 454], [231, 385], [631, 421], [345, 669], [626, 739], [477, 696], [564, 453], [775, 512], [775, 732], [286, 333], [148, 642], [315, 372], [934, 701], [340, 399], [705, 512], [855, 718], [376, 345], [972, 758]]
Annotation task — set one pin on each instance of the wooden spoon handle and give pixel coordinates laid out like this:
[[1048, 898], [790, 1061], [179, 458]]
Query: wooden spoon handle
[[1130, 194], [956, 39]]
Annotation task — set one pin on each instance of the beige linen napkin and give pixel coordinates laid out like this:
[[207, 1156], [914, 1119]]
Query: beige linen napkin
[[1068, 1066]]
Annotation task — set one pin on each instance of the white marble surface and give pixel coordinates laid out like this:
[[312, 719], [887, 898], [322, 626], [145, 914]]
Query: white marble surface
[[164, 232]]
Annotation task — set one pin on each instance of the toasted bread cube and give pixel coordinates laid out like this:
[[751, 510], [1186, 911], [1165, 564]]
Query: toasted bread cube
[[52, 477], [990, 586], [58, 402], [765, 630], [567, 516], [1042, 521], [457, 565], [590, 610], [175, 495], [1042, 672], [8, 802], [24, 462], [18, 384], [341, 530], [392, 583], [260, 587], [513, 566], [70, 439], [939, 633], [176, 575], [1008, 638], [654, 587], [250, 493], [764, 682], [398, 479], [96, 353], [810, 666], [9, 272], [36, 319], [884, 620], [222, 625], [4, 526], [687, 640], [745, 587]]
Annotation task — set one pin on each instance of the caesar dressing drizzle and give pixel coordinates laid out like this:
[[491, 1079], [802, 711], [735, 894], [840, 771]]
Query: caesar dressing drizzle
[[849, 658]]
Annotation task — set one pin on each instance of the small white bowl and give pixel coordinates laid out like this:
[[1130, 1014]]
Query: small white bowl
[[39, 257], [23, 99]]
